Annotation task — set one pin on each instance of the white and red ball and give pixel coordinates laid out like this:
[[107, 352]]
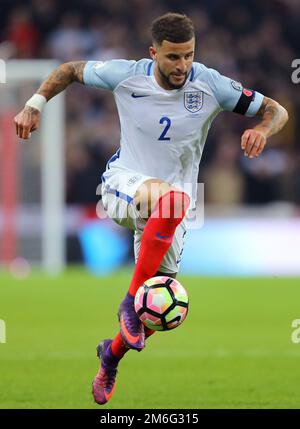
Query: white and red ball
[[161, 303]]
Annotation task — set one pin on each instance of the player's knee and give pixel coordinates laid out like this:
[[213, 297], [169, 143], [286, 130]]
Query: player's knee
[[173, 203], [180, 202], [148, 195], [173, 200]]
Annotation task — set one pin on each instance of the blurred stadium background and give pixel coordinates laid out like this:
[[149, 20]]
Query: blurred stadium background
[[48, 184], [254, 202]]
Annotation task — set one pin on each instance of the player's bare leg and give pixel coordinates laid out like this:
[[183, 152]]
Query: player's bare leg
[[163, 208]]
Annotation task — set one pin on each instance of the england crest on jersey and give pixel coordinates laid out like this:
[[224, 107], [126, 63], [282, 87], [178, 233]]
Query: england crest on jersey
[[193, 101]]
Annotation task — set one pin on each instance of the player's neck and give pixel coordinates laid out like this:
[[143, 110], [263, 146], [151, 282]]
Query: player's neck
[[160, 81]]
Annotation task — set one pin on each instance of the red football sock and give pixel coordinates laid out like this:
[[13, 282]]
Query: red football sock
[[118, 347], [158, 235]]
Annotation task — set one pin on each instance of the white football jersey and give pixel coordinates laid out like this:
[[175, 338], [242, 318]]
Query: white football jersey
[[163, 132]]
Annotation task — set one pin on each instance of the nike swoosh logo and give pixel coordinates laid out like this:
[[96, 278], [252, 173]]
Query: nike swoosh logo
[[133, 339], [158, 234], [109, 394], [134, 95], [99, 390]]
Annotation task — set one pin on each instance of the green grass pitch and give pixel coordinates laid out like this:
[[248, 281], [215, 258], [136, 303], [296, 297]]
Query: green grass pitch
[[233, 351]]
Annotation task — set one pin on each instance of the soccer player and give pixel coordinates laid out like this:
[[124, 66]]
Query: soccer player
[[166, 105]]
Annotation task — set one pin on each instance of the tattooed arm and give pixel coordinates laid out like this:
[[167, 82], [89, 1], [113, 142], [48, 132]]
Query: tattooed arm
[[28, 119], [274, 117], [61, 77]]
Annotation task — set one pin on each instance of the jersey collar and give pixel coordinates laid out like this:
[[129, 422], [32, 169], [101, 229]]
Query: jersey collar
[[170, 91], [150, 71]]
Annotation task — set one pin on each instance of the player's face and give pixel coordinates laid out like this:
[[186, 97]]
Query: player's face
[[173, 62]]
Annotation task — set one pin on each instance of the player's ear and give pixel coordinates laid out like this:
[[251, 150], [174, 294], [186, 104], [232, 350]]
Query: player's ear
[[152, 52]]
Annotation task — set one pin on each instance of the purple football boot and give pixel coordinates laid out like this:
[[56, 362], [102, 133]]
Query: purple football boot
[[131, 328], [105, 381]]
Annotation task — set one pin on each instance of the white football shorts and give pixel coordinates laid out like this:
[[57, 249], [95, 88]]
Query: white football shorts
[[119, 186]]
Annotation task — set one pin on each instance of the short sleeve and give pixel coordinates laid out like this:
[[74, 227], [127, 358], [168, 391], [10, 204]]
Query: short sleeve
[[230, 94], [107, 74]]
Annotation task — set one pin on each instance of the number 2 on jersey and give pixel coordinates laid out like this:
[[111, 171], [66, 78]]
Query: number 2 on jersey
[[164, 120]]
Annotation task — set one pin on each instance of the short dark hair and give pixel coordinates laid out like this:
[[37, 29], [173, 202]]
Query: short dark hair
[[172, 27]]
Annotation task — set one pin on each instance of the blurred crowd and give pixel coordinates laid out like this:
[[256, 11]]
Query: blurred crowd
[[253, 42]]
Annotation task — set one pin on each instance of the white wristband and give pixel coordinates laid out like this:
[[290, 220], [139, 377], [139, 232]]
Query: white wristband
[[37, 101]]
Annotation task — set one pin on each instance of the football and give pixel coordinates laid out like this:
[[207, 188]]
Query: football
[[161, 303]]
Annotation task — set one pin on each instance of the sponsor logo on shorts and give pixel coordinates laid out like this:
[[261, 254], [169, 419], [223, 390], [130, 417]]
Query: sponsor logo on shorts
[[133, 180]]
